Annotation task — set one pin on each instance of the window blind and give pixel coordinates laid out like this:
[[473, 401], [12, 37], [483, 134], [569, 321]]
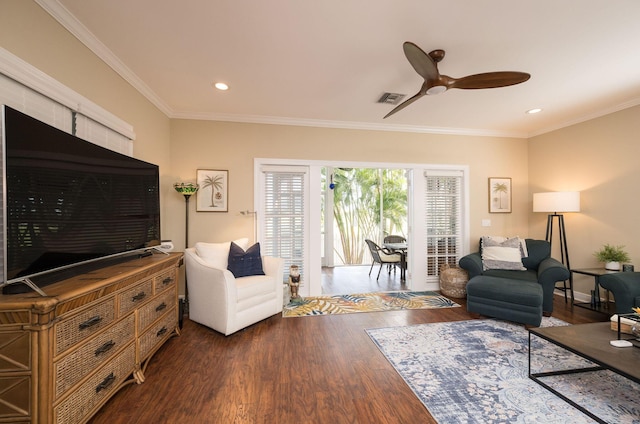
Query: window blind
[[31, 91], [90, 130], [443, 219], [284, 215], [32, 103]]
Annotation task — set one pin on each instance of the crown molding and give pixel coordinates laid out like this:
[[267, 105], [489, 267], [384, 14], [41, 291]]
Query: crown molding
[[86, 37], [276, 120], [584, 118]]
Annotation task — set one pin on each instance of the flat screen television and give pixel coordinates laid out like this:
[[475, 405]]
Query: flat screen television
[[67, 203]]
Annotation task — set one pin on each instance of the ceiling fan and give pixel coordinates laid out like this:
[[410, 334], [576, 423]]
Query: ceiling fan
[[435, 83]]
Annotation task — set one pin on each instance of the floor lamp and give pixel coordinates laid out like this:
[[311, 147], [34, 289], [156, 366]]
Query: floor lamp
[[187, 190], [556, 203]]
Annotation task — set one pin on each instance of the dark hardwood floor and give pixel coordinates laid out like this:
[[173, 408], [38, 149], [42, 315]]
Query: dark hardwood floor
[[321, 369]]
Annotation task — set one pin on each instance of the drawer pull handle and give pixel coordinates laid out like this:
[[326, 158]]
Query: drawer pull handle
[[161, 332], [161, 307], [167, 280], [90, 322], [139, 296], [108, 381], [105, 348]]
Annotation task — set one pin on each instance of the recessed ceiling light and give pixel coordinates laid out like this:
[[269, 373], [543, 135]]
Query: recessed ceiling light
[[532, 111], [221, 86]]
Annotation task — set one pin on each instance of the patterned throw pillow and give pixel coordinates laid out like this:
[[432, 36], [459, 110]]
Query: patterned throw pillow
[[245, 263], [498, 254]]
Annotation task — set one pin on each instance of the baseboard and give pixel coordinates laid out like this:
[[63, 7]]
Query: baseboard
[[579, 296]]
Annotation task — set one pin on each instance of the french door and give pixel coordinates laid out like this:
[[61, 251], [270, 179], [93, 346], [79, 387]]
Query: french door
[[283, 215], [288, 201]]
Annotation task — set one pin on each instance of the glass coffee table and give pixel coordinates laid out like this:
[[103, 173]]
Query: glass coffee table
[[590, 341]]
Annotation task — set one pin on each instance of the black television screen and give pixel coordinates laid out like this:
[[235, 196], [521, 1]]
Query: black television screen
[[68, 201]]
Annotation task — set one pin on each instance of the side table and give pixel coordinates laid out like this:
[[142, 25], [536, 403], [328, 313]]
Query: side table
[[596, 304]]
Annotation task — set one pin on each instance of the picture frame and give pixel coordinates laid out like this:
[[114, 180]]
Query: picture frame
[[499, 195], [213, 190]]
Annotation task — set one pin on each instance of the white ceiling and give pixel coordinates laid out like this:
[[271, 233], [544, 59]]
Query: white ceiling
[[326, 62]]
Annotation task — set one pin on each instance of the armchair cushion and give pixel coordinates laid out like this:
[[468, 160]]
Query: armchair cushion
[[245, 263], [217, 254], [539, 250]]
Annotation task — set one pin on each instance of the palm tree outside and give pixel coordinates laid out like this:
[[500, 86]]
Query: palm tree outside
[[368, 204]]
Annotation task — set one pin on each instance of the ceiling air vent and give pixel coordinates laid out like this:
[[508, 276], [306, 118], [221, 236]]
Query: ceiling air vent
[[391, 98]]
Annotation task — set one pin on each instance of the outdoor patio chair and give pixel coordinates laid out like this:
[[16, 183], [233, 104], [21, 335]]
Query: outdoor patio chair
[[382, 256], [391, 238]]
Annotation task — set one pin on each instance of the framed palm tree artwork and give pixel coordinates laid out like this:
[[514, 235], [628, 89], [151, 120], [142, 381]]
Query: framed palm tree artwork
[[213, 192], [499, 195]]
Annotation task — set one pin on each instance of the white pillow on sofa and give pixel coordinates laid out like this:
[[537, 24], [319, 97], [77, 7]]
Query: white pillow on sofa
[[217, 254], [498, 254], [523, 244]]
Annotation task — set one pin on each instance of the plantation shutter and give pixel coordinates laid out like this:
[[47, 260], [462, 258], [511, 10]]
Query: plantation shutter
[[30, 91], [34, 104], [95, 132], [443, 219], [284, 215]]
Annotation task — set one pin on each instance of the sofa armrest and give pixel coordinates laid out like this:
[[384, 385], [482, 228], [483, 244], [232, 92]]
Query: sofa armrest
[[210, 289], [551, 270], [625, 287], [274, 267], [472, 263]]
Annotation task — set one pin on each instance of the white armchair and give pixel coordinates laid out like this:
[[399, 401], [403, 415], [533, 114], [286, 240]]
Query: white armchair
[[227, 304]]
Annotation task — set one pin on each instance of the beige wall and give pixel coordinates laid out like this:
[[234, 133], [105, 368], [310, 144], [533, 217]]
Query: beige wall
[[233, 146], [601, 159]]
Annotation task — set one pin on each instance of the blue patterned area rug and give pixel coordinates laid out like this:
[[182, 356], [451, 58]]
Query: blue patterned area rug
[[477, 372]]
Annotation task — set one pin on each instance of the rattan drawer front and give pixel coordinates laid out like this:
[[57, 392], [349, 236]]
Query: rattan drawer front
[[157, 333], [76, 328], [165, 280], [81, 362], [99, 386], [135, 296], [155, 309]]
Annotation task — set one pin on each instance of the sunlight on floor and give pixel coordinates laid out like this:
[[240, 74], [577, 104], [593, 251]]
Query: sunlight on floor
[[355, 279]]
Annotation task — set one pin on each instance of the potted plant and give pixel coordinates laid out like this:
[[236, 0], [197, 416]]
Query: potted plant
[[612, 256]]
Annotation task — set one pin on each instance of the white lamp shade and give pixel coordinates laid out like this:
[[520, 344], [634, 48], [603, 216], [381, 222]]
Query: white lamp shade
[[557, 201]]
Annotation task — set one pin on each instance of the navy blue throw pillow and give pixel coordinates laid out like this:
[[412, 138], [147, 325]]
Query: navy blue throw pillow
[[243, 264]]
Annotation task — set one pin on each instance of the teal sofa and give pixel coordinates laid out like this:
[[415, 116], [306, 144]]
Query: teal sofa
[[625, 287], [519, 296]]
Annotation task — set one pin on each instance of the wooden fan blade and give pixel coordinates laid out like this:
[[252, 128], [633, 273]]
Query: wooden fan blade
[[421, 62], [405, 103], [488, 80]]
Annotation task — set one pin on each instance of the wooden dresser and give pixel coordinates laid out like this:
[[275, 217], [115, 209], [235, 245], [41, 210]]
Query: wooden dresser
[[63, 356]]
